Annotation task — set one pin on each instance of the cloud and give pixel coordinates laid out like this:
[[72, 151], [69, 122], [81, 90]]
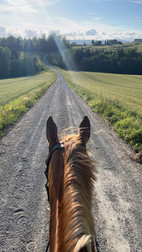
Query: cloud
[[91, 13], [19, 7], [136, 1], [44, 3], [29, 18], [92, 32], [57, 32], [97, 19], [80, 34], [25, 8], [31, 34]]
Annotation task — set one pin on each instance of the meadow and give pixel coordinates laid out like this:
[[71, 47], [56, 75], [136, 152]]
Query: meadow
[[133, 45], [17, 95], [117, 97]]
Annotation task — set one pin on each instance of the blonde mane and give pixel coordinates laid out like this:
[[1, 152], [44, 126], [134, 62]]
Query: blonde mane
[[76, 222]]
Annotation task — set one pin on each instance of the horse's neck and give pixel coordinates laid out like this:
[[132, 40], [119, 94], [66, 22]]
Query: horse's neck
[[55, 199], [63, 232], [54, 225]]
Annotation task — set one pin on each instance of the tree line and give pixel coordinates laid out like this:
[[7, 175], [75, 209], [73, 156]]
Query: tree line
[[123, 61], [107, 42], [34, 44], [15, 60], [13, 64]]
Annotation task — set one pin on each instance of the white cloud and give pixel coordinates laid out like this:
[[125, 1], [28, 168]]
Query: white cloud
[[31, 33], [136, 1], [97, 19], [19, 7], [92, 32], [80, 33], [25, 7], [27, 14], [44, 3]]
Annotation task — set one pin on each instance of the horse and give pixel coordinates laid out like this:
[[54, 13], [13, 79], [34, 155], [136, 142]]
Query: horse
[[71, 174]]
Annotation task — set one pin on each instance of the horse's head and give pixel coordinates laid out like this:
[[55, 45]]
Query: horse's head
[[71, 178], [56, 158], [52, 136]]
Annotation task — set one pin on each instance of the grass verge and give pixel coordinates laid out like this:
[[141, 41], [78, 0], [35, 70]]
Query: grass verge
[[9, 113], [126, 122]]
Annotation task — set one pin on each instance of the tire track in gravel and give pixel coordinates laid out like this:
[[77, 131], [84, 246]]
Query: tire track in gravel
[[24, 209]]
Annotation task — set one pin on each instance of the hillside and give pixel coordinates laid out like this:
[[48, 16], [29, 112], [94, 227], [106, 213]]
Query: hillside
[[132, 45]]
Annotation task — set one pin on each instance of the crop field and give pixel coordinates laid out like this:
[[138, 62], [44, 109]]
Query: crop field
[[11, 89], [116, 97], [17, 95], [126, 89]]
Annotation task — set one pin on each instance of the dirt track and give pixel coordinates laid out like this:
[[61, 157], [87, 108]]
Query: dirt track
[[24, 211]]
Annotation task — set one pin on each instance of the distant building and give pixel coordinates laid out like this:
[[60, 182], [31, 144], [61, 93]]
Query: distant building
[[137, 40]]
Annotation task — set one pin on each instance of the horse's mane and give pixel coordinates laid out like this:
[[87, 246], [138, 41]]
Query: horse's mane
[[77, 224]]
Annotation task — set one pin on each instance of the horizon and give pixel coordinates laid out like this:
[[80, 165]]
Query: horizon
[[76, 19]]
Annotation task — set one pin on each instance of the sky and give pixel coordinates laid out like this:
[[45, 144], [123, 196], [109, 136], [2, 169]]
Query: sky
[[76, 19]]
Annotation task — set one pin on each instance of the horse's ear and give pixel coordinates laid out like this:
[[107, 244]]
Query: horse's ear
[[84, 130], [51, 132]]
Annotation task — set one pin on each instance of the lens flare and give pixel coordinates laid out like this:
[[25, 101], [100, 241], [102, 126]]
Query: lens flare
[[66, 56], [64, 52]]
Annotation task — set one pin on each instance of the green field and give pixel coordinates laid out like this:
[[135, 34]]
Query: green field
[[113, 47], [19, 94], [126, 89], [10, 89], [116, 97]]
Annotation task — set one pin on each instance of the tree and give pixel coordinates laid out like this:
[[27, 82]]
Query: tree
[[5, 55], [93, 42], [11, 42]]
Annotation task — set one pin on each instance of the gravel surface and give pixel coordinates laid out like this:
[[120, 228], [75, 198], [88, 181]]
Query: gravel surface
[[24, 209]]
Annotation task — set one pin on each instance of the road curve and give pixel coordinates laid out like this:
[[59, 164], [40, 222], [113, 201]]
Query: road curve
[[24, 209]]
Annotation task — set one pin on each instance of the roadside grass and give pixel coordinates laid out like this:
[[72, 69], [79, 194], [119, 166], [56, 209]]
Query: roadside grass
[[117, 98], [19, 94]]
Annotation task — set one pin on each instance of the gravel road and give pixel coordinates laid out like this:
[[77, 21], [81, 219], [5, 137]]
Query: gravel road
[[24, 209]]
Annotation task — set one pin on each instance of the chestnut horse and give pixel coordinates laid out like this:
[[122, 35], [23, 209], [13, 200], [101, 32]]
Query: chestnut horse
[[71, 176]]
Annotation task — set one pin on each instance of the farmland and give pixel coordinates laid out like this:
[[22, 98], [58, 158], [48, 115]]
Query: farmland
[[14, 88], [126, 89], [133, 45], [19, 94], [116, 97]]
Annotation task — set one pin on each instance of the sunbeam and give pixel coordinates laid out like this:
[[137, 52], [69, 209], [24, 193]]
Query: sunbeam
[[64, 52]]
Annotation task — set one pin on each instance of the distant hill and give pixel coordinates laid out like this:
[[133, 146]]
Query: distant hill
[[80, 42], [137, 40], [88, 42]]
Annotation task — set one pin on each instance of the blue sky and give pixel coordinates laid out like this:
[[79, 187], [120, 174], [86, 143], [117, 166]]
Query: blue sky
[[77, 19]]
